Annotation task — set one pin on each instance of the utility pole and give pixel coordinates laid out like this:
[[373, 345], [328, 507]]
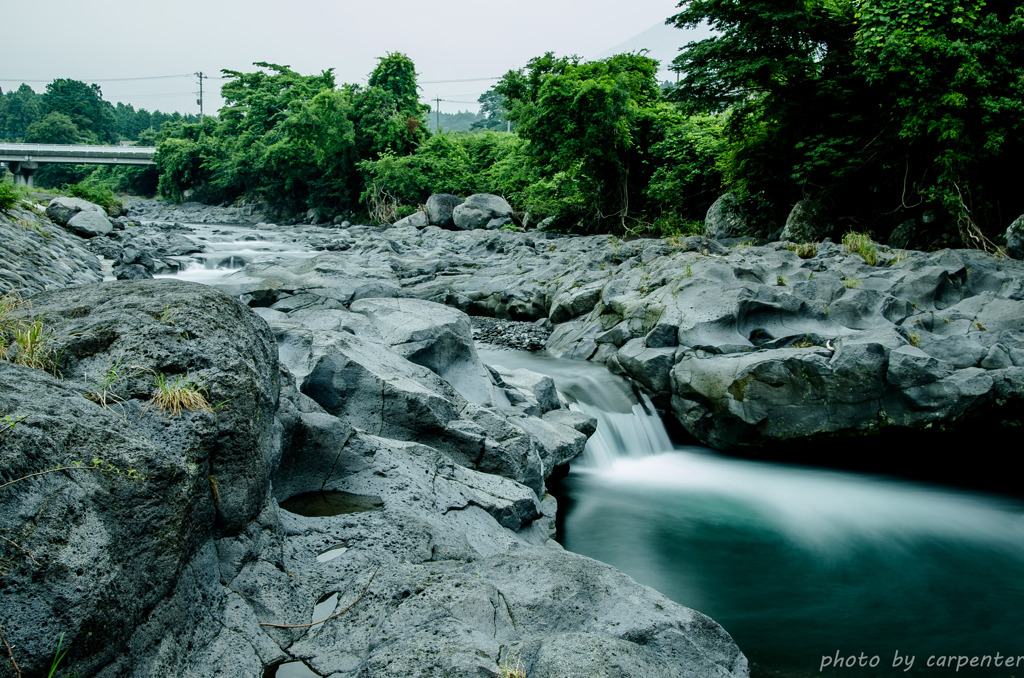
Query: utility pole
[[200, 99], [437, 112]]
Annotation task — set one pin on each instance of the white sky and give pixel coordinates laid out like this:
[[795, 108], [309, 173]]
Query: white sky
[[447, 39]]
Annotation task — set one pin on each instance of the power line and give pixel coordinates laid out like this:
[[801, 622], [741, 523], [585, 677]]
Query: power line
[[442, 82], [142, 77]]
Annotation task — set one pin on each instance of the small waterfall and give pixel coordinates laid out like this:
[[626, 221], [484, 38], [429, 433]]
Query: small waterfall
[[636, 433], [627, 427]]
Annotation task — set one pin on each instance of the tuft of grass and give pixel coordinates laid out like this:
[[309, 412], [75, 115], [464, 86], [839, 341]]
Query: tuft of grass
[[176, 395], [512, 669], [915, 339], [901, 255], [860, 243], [57, 657], [851, 283], [804, 250], [32, 346], [780, 281]]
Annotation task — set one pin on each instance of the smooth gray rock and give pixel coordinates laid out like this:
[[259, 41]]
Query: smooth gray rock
[[89, 224], [436, 337], [479, 209], [61, 209], [417, 219]]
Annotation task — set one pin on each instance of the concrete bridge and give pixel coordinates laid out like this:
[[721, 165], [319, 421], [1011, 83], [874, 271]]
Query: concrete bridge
[[25, 159]]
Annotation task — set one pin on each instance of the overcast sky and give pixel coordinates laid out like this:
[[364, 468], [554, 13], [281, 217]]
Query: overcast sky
[[448, 40]]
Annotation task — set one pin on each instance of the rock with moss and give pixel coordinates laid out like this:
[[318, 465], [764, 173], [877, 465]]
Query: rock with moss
[[807, 222], [725, 218], [1015, 238]]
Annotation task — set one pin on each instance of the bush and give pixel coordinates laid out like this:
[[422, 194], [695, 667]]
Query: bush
[[95, 193], [9, 195]]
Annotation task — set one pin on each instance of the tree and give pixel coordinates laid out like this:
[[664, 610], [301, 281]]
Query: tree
[[493, 109], [388, 115], [882, 109], [591, 122], [85, 106], [55, 128], [21, 109]]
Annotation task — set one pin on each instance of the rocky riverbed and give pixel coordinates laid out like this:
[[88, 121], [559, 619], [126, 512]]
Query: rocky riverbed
[[155, 542], [351, 374]]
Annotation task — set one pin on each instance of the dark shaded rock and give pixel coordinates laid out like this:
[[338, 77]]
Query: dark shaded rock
[[725, 219], [132, 272], [806, 223], [440, 208], [1015, 238]]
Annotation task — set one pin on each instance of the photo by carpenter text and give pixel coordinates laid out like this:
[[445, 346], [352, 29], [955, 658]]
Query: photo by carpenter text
[[905, 662]]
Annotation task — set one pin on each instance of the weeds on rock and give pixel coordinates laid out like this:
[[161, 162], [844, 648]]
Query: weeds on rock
[[25, 342], [860, 243], [174, 396], [805, 250]]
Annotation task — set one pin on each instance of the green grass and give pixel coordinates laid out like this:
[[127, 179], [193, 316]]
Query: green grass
[[805, 250], [25, 342], [174, 396], [860, 243]]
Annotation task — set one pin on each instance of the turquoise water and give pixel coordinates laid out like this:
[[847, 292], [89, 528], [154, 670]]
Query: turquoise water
[[798, 564]]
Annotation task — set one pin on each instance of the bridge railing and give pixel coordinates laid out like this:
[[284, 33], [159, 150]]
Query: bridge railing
[[77, 150]]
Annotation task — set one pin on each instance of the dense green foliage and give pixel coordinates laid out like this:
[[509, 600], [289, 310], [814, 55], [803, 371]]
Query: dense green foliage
[[881, 109], [72, 112], [9, 195], [885, 111], [293, 140], [95, 120]]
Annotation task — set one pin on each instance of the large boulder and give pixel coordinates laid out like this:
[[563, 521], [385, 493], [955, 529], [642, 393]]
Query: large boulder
[[89, 224], [62, 208], [417, 219], [724, 219], [440, 209], [1015, 238], [806, 222], [154, 488], [434, 336], [482, 210]]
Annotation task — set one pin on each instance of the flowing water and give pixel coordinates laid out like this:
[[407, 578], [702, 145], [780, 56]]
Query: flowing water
[[798, 564], [229, 248]]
